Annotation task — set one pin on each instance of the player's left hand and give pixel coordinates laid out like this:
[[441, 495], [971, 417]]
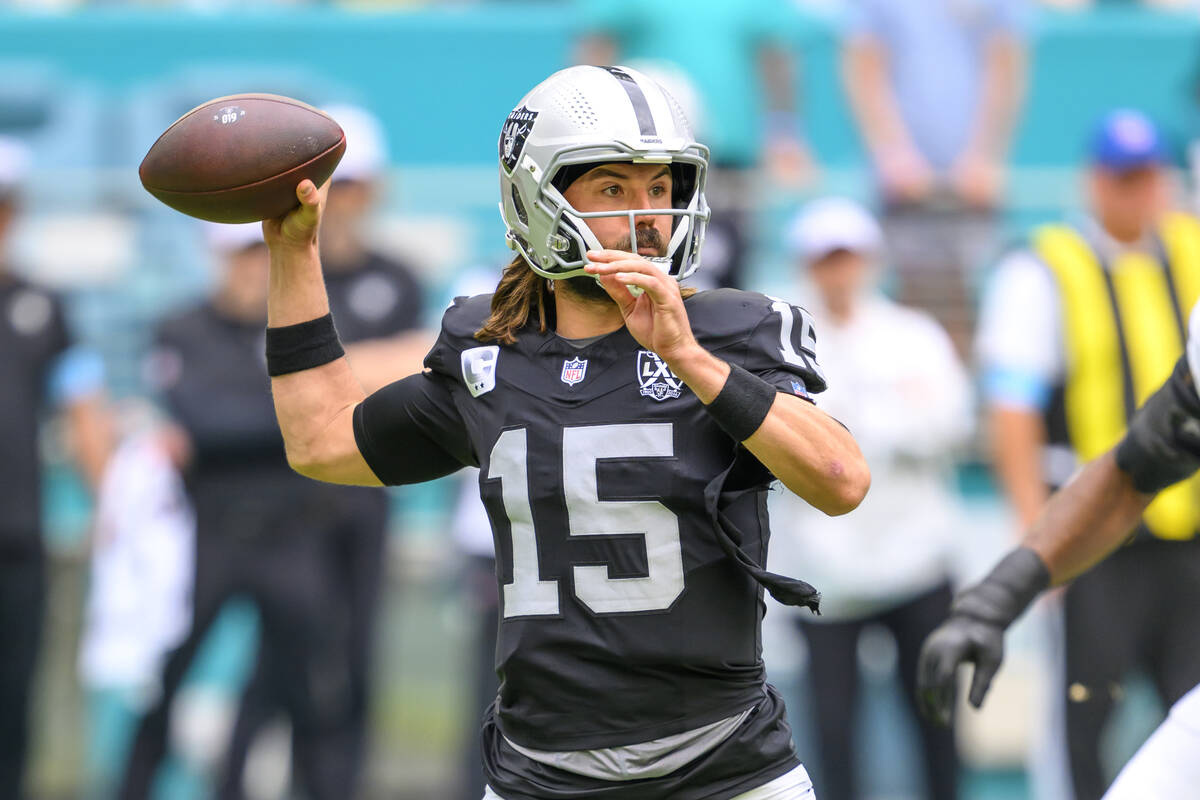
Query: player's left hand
[[656, 316], [959, 640]]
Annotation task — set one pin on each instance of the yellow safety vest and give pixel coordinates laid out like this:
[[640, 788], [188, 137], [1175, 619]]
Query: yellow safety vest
[[1125, 326]]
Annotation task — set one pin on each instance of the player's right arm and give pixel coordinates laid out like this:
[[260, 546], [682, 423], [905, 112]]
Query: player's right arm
[[1078, 527], [315, 406], [331, 429]]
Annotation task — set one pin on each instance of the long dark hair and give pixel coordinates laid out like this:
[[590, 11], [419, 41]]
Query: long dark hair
[[520, 294]]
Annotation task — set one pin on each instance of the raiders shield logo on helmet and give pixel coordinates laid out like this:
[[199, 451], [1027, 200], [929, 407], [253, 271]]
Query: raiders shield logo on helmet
[[656, 378], [515, 132]]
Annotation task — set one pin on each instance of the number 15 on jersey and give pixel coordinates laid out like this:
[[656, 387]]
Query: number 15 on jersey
[[583, 446]]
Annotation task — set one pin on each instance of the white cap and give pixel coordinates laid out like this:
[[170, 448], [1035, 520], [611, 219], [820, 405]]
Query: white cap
[[833, 223], [226, 239], [15, 160], [366, 145]]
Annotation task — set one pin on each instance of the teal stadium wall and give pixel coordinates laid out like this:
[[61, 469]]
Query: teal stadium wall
[[443, 78]]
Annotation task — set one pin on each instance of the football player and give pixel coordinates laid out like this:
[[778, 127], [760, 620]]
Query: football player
[[1080, 525], [626, 436]]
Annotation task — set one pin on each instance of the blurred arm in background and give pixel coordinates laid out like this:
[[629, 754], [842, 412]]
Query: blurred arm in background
[[902, 170], [1019, 350], [79, 388], [788, 158], [378, 362], [978, 174], [936, 92]]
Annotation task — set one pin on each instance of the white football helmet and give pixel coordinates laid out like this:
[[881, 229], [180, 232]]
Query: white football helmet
[[594, 115]]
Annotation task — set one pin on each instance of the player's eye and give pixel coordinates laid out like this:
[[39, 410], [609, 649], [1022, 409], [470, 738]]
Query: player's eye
[[658, 190], [612, 190]]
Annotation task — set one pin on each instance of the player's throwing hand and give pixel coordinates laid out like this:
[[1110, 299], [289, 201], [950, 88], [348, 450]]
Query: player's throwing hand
[[298, 227], [656, 316]]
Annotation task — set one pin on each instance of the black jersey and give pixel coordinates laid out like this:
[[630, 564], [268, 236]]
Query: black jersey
[[374, 298], [33, 333], [210, 371], [628, 612]]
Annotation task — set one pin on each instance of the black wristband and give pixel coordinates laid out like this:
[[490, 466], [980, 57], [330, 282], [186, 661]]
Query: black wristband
[[292, 348], [1008, 589], [742, 404]]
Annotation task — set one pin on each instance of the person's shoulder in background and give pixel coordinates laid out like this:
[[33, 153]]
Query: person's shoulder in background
[[1018, 338], [381, 297]]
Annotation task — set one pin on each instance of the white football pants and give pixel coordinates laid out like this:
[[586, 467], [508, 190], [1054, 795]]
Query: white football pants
[[793, 785], [1167, 766]]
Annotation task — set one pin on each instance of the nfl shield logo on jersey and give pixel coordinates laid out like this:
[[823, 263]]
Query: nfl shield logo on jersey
[[574, 370], [656, 378]]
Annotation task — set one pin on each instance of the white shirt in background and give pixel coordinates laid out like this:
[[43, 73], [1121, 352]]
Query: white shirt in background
[[897, 384], [139, 601]]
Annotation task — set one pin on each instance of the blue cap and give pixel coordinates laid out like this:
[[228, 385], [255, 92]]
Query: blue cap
[[1127, 139]]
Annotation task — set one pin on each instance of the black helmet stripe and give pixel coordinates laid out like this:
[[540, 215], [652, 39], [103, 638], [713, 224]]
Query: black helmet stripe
[[636, 96]]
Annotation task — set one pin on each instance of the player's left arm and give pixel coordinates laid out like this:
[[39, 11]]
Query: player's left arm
[[1079, 526], [810, 452]]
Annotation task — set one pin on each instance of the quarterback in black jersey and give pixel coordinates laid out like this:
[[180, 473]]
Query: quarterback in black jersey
[[626, 434]]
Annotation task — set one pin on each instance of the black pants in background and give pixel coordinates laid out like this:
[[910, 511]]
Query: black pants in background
[[1139, 609], [833, 662], [278, 565], [483, 597], [355, 571], [22, 610]]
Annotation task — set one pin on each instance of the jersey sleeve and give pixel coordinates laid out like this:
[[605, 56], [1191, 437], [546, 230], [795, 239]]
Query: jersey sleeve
[[782, 350], [410, 431]]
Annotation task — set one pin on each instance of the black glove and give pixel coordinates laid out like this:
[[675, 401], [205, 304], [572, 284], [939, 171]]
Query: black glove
[[1162, 446], [975, 632]]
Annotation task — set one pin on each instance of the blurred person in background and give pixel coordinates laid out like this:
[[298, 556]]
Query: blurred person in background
[[896, 381], [1076, 330], [936, 87], [737, 56], [379, 302], [378, 299], [261, 530], [42, 369], [139, 589], [472, 531], [1082, 524]]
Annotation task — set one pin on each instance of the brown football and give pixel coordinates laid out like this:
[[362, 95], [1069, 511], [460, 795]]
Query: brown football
[[239, 158]]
